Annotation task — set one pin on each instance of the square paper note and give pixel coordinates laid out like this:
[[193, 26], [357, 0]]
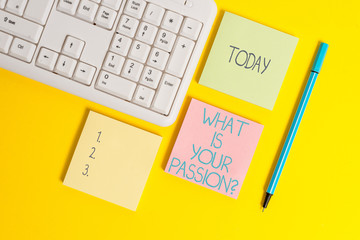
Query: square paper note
[[112, 161], [214, 148], [248, 60]]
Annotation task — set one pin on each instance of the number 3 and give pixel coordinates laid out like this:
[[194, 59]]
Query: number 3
[[86, 169]]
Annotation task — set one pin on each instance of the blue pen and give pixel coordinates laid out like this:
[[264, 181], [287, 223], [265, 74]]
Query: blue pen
[[296, 122]]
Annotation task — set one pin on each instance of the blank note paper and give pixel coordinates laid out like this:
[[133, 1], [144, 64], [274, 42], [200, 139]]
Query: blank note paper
[[112, 161]]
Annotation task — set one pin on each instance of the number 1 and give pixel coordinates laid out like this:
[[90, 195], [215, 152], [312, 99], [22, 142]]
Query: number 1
[[98, 139]]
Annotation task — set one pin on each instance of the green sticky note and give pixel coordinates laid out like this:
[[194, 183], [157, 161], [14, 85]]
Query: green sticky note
[[248, 60]]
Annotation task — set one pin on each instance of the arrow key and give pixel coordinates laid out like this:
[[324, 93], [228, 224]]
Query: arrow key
[[158, 59], [146, 33], [65, 66], [73, 47], [120, 44], [46, 59], [84, 73], [132, 70]]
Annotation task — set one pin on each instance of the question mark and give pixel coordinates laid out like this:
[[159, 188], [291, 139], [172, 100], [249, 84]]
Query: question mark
[[233, 187]]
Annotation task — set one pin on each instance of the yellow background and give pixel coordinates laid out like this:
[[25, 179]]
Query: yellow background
[[318, 193]]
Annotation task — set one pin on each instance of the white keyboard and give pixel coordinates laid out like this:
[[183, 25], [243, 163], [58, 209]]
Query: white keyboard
[[135, 56]]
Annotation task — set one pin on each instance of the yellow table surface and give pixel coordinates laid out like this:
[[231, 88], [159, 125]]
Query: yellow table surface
[[318, 193]]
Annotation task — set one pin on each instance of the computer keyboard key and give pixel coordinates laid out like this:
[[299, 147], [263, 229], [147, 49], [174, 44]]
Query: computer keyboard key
[[191, 28], [165, 96], [84, 73], [113, 63], [22, 50], [2, 3], [143, 96], [73, 47], [5, 42], [135, 8], [38, 10], [154, 14], [20, 27], [68, 6], [47, 59], [114, 4], [165, 40], [172, 21], [146, 33], [158, 59], [97, 1], [180, 57], [65, 66], [87, 10], [150, 77], [132, 70], [115, 85], [105, 17], [16, 6], [128, 26], [120, 44], [139, 51]]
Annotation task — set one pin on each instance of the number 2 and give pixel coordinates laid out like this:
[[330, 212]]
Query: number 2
[[91, 155]]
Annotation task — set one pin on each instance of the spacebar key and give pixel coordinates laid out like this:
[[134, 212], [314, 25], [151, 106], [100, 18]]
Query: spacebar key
[[20, 27], [115, 85]]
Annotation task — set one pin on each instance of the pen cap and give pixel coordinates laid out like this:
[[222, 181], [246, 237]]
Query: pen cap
[[320, 57]]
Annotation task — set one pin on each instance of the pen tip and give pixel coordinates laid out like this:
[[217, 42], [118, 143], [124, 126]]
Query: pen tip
[[263, 210]]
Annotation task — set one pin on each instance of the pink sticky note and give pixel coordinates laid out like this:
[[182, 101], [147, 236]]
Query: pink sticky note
[[214, 148]]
